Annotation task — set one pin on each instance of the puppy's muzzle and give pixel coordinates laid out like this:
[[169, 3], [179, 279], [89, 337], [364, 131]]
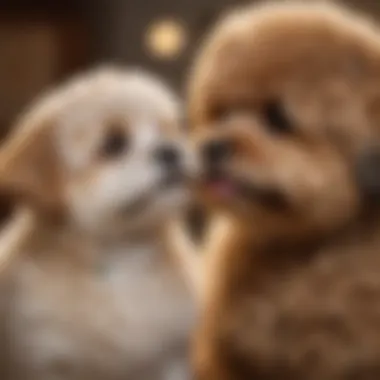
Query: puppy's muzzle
[[168, 156], [170, 159], [215, 154]]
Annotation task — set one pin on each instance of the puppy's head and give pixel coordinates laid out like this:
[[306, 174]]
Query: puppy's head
[[284, 106], [103, 151]]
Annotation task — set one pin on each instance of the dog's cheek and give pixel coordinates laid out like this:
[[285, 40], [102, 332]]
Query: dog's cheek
[[367, 171]]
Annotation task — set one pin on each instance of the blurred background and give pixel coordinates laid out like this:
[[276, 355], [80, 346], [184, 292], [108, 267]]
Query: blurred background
[[44, 41]]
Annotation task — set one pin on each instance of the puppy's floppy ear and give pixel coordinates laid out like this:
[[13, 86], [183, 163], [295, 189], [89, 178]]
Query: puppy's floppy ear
[[29, 169], [368, 174]]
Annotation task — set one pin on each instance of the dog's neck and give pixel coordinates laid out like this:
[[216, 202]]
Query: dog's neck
[[59, 241], [246, 268], [245, 257]]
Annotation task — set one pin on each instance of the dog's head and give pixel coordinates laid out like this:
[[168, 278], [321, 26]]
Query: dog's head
[[284, 106], [105, 151]]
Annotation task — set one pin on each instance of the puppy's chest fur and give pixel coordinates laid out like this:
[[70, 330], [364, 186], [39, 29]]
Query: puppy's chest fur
[[125, 316], [312, 318]]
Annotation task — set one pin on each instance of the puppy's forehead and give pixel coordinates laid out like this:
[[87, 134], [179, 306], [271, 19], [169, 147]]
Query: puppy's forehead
[[139, 104], [120, 94], [132, 97], [254, 52]]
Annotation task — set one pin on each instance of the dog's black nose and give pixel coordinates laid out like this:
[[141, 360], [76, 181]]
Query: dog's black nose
[[216, 151], [168, 156]]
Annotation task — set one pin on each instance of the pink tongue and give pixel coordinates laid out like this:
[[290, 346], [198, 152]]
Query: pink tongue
[[223, 189]]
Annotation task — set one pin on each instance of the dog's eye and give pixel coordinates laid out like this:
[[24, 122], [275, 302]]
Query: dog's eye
[[218, 113], [115, 143], [276, 118]]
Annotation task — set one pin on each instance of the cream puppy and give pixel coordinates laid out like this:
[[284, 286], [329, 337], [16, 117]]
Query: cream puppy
[[90, 289]]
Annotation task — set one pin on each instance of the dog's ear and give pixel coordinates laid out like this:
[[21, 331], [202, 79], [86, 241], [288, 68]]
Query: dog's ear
[[29, 169], [368, 175]]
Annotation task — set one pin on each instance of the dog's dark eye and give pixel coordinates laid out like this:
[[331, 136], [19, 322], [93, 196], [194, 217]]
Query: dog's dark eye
[[115, 143], [218, 112], [276, 118]]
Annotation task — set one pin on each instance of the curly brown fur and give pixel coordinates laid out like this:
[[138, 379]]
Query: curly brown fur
[[284, 105]]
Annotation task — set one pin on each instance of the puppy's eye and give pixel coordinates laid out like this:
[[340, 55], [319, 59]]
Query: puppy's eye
[[219, 112], [115, 143], [276, 118]]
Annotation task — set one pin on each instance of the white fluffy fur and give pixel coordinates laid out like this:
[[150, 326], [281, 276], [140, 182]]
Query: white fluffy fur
[[98, 296]]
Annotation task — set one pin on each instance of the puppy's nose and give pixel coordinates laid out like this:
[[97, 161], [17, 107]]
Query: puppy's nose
[[168, 156], [216, 151]]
